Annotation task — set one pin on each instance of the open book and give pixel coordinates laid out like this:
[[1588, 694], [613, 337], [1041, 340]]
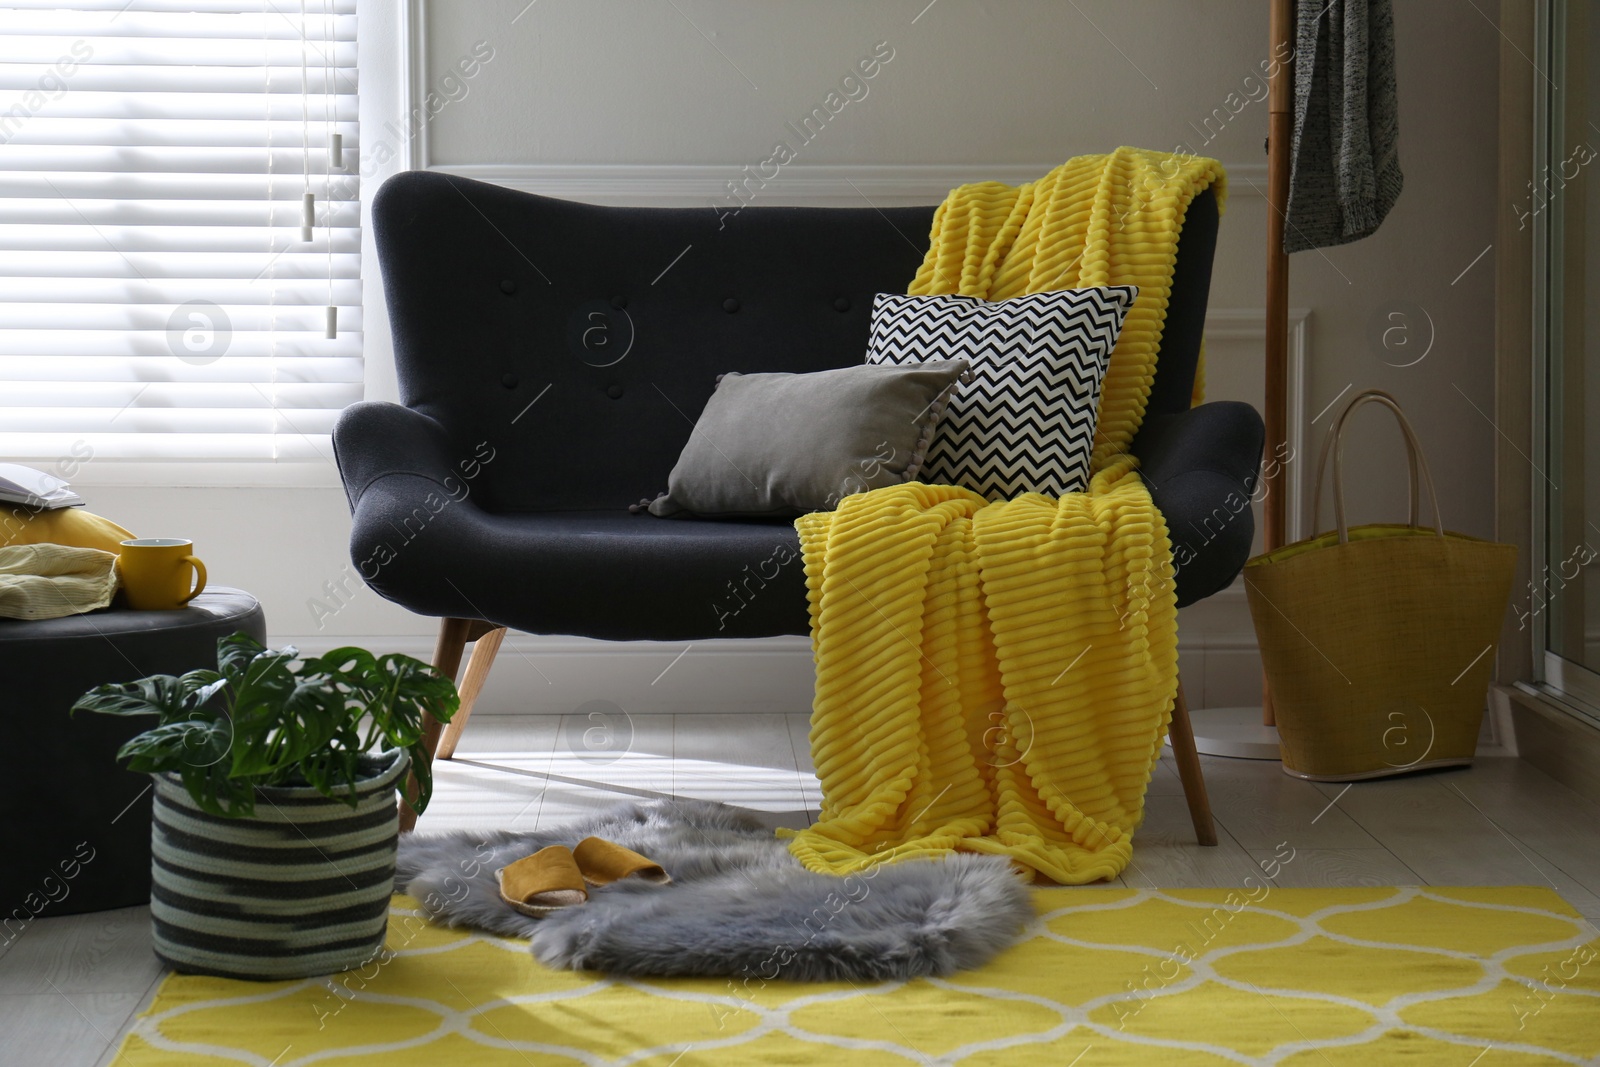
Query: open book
[[35, 489]]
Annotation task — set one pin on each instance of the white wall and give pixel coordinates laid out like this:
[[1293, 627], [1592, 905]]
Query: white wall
[[582, 94], [1012, 84]]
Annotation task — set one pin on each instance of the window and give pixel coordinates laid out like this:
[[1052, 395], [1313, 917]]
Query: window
[[1562, 206], [161, 294]]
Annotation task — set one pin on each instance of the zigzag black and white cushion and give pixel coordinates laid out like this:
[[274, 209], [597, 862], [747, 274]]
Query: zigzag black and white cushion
[[1025, 422]]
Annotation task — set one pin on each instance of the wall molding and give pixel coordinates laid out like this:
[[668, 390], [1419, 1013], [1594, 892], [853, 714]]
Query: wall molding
[[413, 80], [556, 675], [1250, 324], [518, 643], [809, 184], [688, 184]]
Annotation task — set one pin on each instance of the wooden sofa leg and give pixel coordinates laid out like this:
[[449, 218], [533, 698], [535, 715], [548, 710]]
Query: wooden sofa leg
[[483, 653], [453, 637], [1194, 784]]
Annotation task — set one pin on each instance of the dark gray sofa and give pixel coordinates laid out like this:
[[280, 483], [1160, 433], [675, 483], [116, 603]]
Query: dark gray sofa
[[553, 356]]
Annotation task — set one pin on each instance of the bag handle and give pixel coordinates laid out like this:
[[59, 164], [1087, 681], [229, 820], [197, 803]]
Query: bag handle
[[1418, 462], [1413, 502], [1335, 429]]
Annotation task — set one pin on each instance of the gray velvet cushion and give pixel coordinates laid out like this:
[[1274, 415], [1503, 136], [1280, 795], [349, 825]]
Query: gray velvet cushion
[[781, 445]]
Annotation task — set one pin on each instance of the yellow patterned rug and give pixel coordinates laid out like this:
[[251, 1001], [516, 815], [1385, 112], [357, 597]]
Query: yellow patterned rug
[[1301, 977]]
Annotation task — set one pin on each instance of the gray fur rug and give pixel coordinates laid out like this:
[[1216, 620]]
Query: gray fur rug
[[739, 903]]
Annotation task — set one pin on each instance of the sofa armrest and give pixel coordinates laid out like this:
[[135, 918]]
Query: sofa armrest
[[374, 440], [407, 480], [1201, 467]]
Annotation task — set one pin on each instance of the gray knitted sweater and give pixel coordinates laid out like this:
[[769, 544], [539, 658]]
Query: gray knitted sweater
[[1345, 159]]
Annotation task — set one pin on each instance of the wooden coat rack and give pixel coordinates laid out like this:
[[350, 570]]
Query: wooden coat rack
[[1280, 132]]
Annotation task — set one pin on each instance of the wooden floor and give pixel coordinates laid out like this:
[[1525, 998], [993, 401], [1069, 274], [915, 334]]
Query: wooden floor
[[70, 986]]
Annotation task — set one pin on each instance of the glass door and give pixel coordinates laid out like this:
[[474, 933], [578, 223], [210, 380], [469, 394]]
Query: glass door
[[1563, 205]]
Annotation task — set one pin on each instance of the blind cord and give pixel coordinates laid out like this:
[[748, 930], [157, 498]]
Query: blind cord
[[272, 232], [335, 157], [308, 220]]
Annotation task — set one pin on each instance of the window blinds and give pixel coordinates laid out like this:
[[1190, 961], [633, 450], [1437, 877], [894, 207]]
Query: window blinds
[[160, 294]]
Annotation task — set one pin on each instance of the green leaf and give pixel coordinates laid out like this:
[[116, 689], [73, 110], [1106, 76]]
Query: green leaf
[[263, 679], [160, 694], [260, 692], [302, 724], [265, 717], [355, 667], [418, 688], [422, 768], [218, 794], [235, 653], [179, 746], [200, 686], [334, 773]]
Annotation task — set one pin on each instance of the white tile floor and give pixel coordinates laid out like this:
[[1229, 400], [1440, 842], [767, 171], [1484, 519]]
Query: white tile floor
[[70, 986]]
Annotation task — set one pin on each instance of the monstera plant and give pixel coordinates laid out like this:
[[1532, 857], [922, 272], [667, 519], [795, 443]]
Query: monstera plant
[[266, 717], [275, 818]]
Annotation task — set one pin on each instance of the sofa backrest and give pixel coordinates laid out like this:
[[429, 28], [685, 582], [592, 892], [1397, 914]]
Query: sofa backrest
[[582, 341]]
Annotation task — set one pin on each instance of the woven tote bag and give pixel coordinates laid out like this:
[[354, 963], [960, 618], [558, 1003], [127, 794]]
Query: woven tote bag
[[1378, 640]]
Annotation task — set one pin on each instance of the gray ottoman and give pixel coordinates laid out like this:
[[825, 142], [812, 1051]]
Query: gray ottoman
[[74, 825]]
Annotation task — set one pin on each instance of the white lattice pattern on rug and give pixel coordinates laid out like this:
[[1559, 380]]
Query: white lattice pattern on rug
[[1274, 976]]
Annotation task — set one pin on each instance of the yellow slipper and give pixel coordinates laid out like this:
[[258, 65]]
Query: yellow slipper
[[603, 862], [546, 881]]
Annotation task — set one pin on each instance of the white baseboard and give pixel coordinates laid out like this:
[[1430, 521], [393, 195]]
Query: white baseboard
[[774, 675], [558, 675], [1497, 721], [535, 675]]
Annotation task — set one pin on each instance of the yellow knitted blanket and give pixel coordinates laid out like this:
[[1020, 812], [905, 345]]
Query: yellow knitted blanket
[[998, 677]]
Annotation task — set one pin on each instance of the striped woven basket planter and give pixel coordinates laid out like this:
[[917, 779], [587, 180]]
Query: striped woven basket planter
[[300, 889]]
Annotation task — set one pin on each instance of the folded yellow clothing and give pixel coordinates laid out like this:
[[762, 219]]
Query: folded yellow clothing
[[60, 526], [46, 581]]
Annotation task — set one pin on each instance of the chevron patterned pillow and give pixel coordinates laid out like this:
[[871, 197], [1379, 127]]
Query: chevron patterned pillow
[[1025, 422]]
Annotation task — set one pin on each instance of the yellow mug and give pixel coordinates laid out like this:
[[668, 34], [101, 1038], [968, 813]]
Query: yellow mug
[[155, 573]]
